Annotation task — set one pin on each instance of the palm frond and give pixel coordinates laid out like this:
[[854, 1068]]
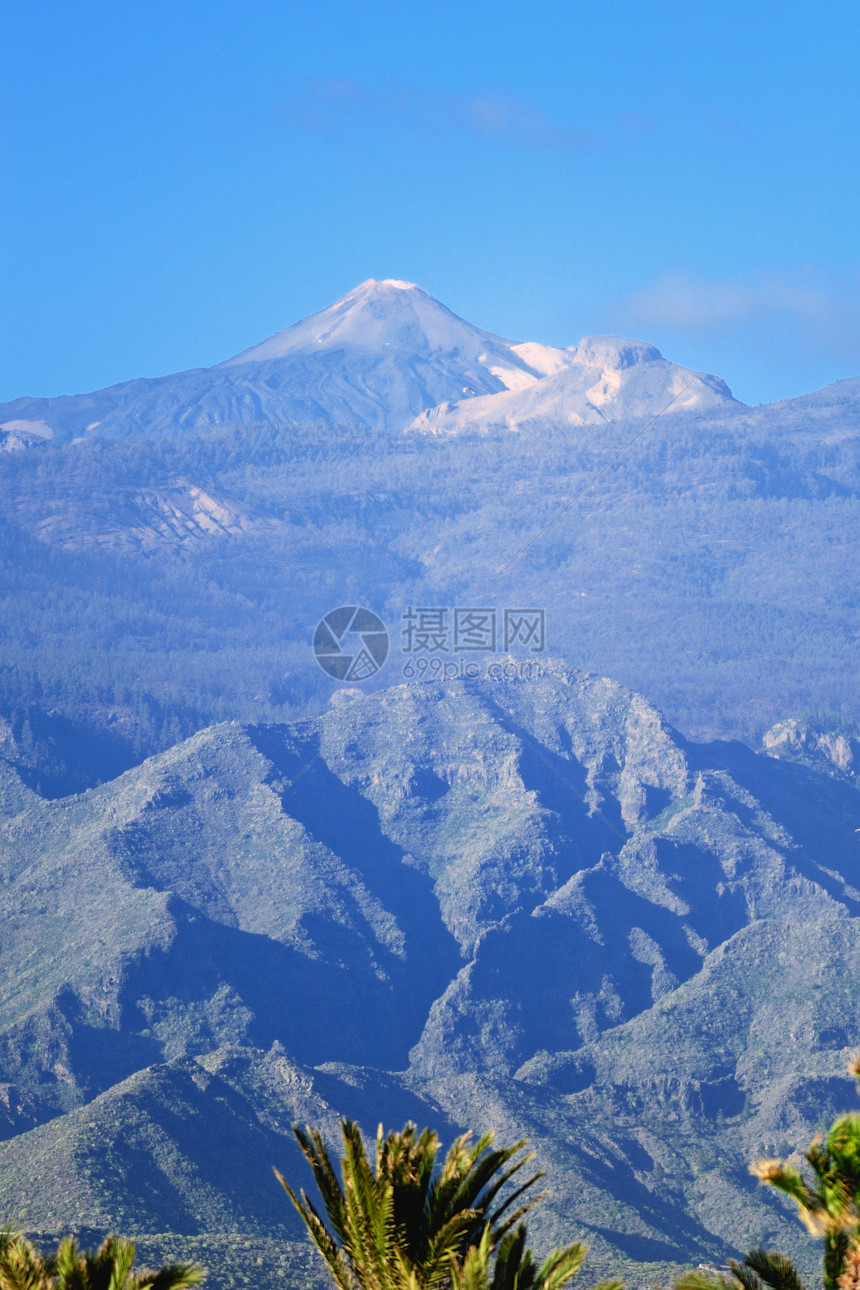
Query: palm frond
[[406, 1220], [774, 1269], [111, 1264], [837, 1246], [745, 1275], [512, 1260], [328, 1184], [472, 1273], [173, 1276], [69, 1265], [22, 1267], [9, 1236], [443, 1245], [698, 1279], [322, 1238], [561, 1266]]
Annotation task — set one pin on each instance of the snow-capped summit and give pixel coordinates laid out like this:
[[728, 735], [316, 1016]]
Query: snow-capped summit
[[613, 352], [394, 315], [606, 378], [369, 316], [387, 356]]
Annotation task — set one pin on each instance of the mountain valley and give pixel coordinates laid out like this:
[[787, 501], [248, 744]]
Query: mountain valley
[[529, 905], [604, 893], [163, 573]]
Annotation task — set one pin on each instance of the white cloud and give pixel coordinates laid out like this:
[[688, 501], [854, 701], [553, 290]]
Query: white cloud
[[325, 104], [819, 306]]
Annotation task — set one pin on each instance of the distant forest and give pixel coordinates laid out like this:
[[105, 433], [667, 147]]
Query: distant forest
[[705, 567]]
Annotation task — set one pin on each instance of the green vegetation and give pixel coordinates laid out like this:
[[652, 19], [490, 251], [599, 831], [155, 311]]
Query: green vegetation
[[707, 569], [408, 1225], [828, 1203], [404, 909], [22, 1267], [231, 1261], [403, 1222], [515, 1267]]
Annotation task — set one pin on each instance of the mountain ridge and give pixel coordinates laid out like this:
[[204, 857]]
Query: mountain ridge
[[607, 379], [529, 905], [382, 355], [468, 902]]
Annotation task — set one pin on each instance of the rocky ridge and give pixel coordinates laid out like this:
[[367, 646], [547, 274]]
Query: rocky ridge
[[529, 905]]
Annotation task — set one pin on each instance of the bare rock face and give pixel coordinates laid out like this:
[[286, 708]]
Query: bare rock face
[[526, 905], [833, 751], [601, 380]]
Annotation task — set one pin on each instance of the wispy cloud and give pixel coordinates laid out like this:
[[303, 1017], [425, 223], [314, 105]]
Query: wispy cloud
[[819, 305], [328, 105]]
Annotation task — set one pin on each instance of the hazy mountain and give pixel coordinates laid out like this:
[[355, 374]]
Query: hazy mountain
[[533, 903], [398, 315], [530, 905], [605, 379], [379, 357], [160, 579]]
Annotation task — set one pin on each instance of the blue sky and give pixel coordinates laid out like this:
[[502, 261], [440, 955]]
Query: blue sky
[[181, 180]]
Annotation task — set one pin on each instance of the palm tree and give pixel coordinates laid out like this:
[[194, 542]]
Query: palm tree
[[22, 1267], [515, 1268], [829, 1207], [829, 1202], [408, 1225], [759, 1270]]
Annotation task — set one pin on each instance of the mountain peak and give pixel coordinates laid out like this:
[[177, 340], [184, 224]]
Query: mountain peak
[[375, 315], [394, 283], [614, 353], [381, 289], [385, 354], [383, 315]]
